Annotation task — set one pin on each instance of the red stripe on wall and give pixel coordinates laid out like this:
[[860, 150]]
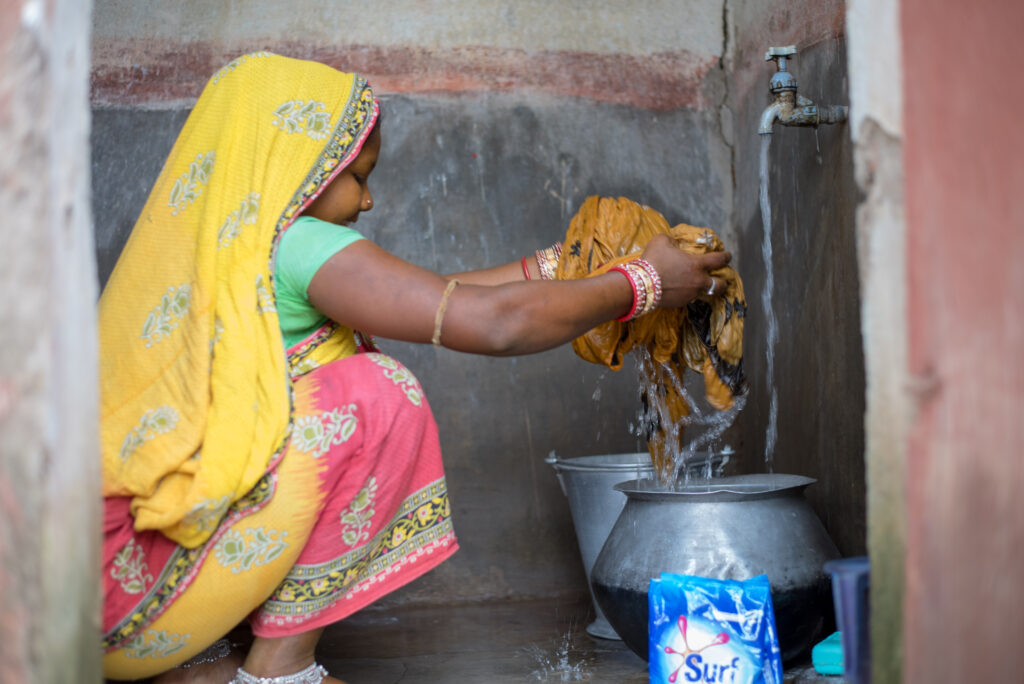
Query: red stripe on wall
[[154, 73]]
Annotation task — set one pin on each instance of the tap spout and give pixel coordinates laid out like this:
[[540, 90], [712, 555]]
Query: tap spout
[[791, 109], [768, 117]]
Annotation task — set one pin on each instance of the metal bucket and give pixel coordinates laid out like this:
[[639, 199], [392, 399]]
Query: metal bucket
[[726, 528], [588, 482]]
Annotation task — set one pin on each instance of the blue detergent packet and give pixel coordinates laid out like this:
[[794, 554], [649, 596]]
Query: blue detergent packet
[[711, 630]]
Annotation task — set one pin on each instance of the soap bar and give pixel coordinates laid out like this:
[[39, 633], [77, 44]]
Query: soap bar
[[827, 655]]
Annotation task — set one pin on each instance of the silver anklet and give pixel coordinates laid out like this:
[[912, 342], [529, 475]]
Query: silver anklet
[[314, 674], [219, 649]]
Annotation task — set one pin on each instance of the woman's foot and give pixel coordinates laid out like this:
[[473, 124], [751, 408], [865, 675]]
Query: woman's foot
[[284, 656], [209, 667], [326, 680]]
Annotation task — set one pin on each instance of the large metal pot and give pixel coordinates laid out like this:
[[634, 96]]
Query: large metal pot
[[725, 528]]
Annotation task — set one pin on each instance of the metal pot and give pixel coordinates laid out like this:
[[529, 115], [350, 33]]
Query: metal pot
[[725, 528], [588, 482]]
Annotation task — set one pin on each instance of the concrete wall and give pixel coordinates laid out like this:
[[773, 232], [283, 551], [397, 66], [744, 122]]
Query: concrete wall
[[49, 461], [876, 127], [819, 367], [500, 119]]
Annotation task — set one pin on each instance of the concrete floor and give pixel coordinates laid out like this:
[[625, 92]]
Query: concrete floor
[[493, 643]]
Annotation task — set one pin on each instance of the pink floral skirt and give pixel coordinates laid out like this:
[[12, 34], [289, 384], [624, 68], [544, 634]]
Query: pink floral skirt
[[356, 508]]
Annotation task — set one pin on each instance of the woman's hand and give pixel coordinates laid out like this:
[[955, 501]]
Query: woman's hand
[[684, 276]]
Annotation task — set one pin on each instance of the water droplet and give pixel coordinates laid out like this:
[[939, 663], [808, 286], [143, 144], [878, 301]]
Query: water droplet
[[562, 664]]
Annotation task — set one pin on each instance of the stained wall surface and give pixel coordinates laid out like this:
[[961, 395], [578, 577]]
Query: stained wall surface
[[500, 119], [654, 53], [818, 366]]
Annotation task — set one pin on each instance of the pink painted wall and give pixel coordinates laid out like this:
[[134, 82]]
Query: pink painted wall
[[964, 174]]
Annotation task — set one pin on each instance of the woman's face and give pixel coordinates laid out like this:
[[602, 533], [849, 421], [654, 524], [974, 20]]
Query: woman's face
[[349, 193]]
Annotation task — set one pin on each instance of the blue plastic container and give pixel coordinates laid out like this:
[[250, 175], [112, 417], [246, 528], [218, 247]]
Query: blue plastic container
[[851, 582]]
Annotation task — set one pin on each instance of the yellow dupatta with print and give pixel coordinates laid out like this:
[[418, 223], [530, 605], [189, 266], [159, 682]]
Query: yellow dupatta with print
[[195, 393]]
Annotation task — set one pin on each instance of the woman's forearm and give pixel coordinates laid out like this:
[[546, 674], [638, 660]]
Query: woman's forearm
[[367, 289], [522, 318], [498, 275]]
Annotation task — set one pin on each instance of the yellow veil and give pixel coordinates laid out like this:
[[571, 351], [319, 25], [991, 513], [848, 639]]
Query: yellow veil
[[195, 393]]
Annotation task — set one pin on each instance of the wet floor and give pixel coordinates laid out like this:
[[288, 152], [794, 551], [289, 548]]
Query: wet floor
[[492, 643]]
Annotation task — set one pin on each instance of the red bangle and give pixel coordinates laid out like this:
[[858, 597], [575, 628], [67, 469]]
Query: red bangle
[[526, 269], [632, 285]]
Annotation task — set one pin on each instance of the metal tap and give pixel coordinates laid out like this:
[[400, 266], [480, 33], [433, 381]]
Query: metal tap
[[790, 108]]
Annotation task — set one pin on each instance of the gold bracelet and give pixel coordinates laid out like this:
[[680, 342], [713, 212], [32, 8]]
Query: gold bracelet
[[439, 316], [547, 260], [649, 291]]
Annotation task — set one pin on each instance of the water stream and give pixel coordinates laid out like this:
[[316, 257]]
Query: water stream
[[694, 442], [767, 292]]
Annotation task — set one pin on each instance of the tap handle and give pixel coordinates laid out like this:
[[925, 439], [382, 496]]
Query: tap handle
[[782, 80], [780, 54]]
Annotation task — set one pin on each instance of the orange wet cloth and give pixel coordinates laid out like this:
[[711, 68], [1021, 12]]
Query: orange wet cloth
[[706, 336]]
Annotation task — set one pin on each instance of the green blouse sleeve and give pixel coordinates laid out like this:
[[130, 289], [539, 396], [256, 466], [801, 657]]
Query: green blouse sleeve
[[304, 248]]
